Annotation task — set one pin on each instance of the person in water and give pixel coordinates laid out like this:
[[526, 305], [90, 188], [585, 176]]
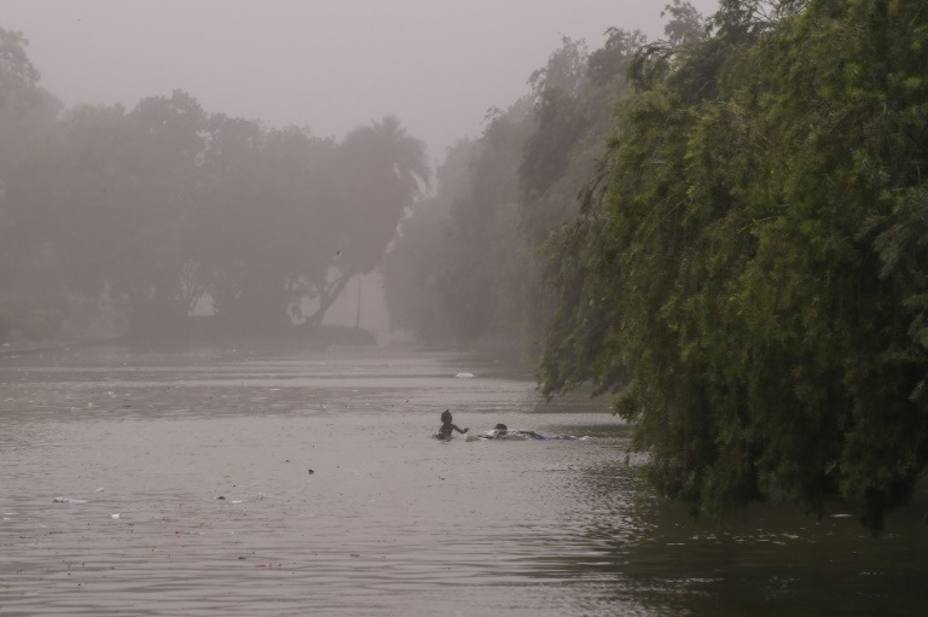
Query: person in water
[[447, 426], [501, 431]]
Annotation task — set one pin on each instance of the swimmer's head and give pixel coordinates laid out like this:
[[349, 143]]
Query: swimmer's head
[[446, 416], [500, 428]]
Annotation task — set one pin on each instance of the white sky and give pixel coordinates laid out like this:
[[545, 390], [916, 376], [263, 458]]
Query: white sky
[[326, 64]]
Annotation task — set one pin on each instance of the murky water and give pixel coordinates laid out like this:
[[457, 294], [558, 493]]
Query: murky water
[[186, 489]]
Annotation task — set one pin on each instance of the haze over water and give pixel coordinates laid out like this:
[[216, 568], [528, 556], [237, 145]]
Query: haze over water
[[330, 66], [184, 488]]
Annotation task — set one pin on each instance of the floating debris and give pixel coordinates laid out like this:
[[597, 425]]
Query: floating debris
[[68, 500], [464, 375], [115, 516]]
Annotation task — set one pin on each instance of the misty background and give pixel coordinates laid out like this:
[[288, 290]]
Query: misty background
[[441, 69], [330, 66]]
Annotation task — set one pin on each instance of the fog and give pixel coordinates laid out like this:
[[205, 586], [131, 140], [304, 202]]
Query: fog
[[437, 65], [372, 167]]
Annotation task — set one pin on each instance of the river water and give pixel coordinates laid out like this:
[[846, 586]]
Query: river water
[[245, 483]]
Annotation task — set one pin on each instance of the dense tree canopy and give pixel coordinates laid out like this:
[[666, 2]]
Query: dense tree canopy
[[751, 282]]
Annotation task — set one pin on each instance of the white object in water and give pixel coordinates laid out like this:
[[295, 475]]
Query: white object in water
[[463, 375], [115, 516]]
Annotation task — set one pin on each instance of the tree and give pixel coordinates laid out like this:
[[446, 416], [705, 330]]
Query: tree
[[483, 233], [743, 283], [27, 113], [166, 137], [573, 128], [73, 189], [267, 216], [286, 219], [380, 172], [417, 265]]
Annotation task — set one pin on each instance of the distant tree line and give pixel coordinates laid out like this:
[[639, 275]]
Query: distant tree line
[[727, 230], [152, 210]]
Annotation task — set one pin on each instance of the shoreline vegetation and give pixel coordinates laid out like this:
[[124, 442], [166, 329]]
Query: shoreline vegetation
[[723, 231]]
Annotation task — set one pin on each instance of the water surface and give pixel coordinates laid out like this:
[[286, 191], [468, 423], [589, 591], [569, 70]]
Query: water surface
[[236, 483]]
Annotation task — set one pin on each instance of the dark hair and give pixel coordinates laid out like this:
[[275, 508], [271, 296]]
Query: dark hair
[[446, 416], [500, 427]]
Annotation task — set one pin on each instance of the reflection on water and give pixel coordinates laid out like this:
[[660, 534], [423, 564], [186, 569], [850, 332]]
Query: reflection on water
[[194, 473]]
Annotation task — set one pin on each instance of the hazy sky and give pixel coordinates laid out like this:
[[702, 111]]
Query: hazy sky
[[326, 64]]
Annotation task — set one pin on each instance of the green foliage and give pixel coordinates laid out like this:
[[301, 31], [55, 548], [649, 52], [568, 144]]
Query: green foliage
[[752, 280]]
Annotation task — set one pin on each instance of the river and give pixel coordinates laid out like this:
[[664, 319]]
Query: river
[[225, 482]]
